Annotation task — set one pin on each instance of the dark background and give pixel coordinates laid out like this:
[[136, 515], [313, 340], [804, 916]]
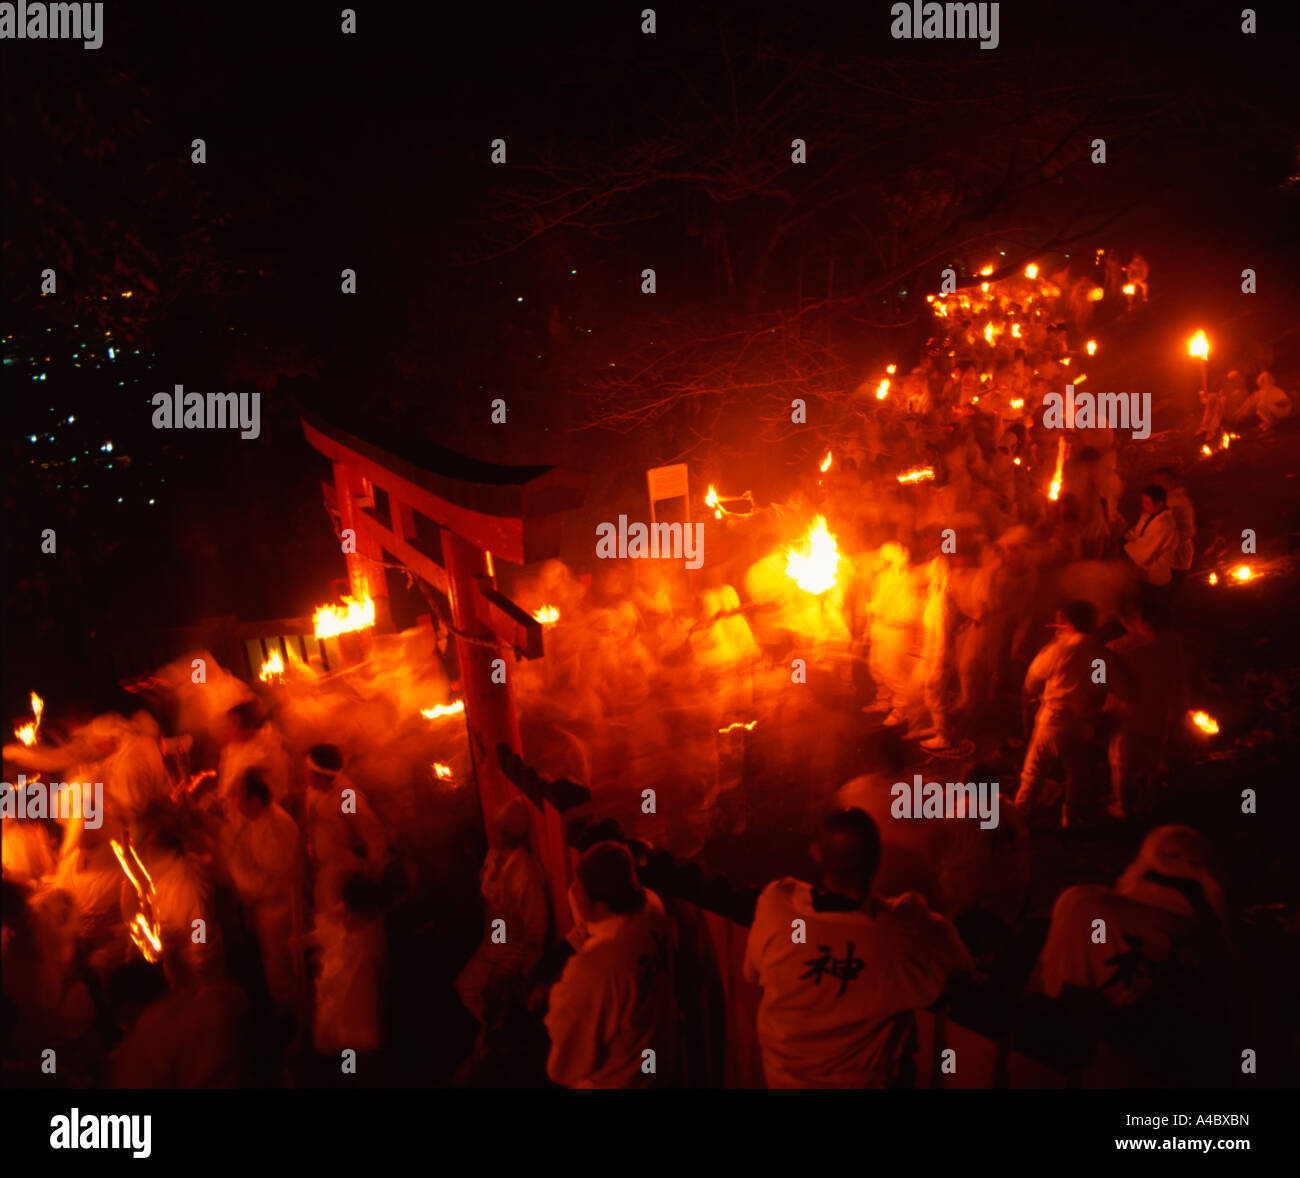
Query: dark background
[[626, 151]]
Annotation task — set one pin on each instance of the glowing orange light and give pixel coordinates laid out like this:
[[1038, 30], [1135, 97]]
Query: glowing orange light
[[1242, 572], [1091, 347], [441, 771], [272, 669], [1031, 271], [1017, 403], [144, 929], [1096, 294], [451, 709], [987, 271], [1214, 578], [732, 727], [27, 732], [1130, 289], [917, 475], [826, 462], [883, 390], [1199, 346], [548, 615], [891, 369], [1016, 460], [984, 288], [1205, 722], [812, 567], [1054, 492], [1206, 451], [1015, 331], [331, 620]]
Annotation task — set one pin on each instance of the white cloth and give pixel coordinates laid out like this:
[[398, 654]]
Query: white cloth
[[613, 1002], [1153, 546], [1062, 673], [349, 1005], [832, 1007]]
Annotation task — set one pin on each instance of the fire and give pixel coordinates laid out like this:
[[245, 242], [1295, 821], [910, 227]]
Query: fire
[[441, 772], [883, 390], [1206, 451], [826, 462], [1130, 289], [451, 709], [1214, 578], [1016, 460], [332, 620], [1096, 294], [917, 475], [1199, 346], [1205, 722], [984, 288], [1031, 271], [813, 566], [1017, 403], [891, 369], [1015, 331], [1226, 440], [145, 929], [27, 732], [1054, 492], [272, 668], [738, 724], [548, 615], [986, 271], [1242, 572], [1091, 347]]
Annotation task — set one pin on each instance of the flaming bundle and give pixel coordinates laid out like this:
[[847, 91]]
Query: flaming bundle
[[813, 566], [714, 500], [1198, 346], [1205, 722], [917, 475], [1054, 492], [272, 669], [738, 724], [548, 615], [441, 772], [438, 710], [145, 929], [332, 620]]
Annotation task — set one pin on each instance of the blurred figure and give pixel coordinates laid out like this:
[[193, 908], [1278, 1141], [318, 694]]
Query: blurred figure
[[182, 902], [1064, 676], [1180, 503], [839, 999], [1150, 700], [1271, 402], [495, 980], [1154, 947], [349, 988], [611, 1010], [939, 655], [343, 834], [248, 742], [1138, 271], [261, 851], [892, 661]]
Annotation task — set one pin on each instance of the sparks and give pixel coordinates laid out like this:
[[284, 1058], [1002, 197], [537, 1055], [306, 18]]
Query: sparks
[[813, 566], [144, 929]]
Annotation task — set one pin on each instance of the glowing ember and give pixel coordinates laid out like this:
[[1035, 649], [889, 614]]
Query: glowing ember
[[826, 462], [1130, 289], [1096, 294], [1205, 722], [332, 620], [891, 369], [1199, 346], [1054, 492], [451, 709], [986, 271], [1031, 271], [1214, 578], [1091, 347], [272, 669], [813, 566], [1241, 572], [1017, 403], [441, 772], [144, 929], [548, 615], [1206, 451], [917, 475], [883, 390], [732, 727], [1016, 461]]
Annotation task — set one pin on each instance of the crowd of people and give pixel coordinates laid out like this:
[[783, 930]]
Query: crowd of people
[[979, 561]]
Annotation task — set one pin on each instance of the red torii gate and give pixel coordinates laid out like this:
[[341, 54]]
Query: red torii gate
[[478, 511]]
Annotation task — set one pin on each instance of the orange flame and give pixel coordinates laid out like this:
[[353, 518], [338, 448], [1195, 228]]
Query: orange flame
[[1017, 403], [738, 724], [548, 615], [1130, 289], [451, 709], [813, 566], [1054, 492], [1031, 271], [145, 930], [1091, 347], [1205, 722], [272, 669], [441, 771], [332, 620], [1096, 294], [1242, 572], [883, 390], [1199, 346], [826, 462], [917, 475], [1214, 578], [27, 732], [891, 369]]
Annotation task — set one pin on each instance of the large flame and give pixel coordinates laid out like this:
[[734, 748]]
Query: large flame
[[145, 930], [1031, 271], [27, 732], [882, 390], [1205, 722], [1242, 572], [1199, 346], [548, 615], [333, 620], [813, 566], [441, 772]]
